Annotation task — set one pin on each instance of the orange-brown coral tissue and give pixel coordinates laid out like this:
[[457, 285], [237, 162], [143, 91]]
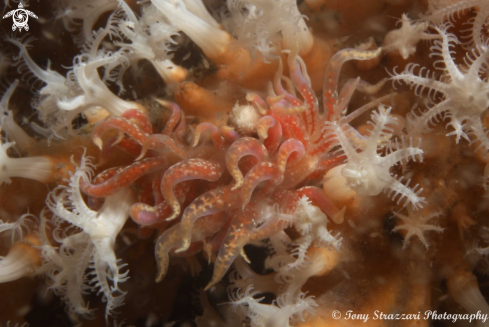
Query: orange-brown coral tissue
[[264, 163]]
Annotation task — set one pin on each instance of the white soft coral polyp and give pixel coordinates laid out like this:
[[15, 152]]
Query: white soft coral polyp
[[39, 168], [367, 172], [150, 38], [268, 18], [212, 40], [17, 228], [297, 267], [93, 248], [95, 92], [9, 126], [22, 260], [464, 94], [405, 39], [18, 263], [55, 83], [416, 224], [278, 314]]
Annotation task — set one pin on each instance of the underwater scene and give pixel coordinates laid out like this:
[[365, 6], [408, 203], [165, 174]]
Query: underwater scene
[[248, 163]]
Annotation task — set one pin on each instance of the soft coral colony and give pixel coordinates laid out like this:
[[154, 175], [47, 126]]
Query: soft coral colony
[[357, 192]]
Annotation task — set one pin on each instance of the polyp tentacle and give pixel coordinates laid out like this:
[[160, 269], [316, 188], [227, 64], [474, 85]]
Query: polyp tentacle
[[287, 149], [177, 118], [216, 136], [229, 134], [260, 172], [187, 170], [211, 202], [330, 92], [243, 147], [242, 225], [123, 125], [284, 108], [311, 113], [270, 132], [123, 178], [159, 141], [140, 119], [167, 241], [146, 215]]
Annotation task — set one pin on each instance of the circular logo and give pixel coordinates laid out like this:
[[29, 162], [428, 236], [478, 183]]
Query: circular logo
[[336, 314], [20, 17]]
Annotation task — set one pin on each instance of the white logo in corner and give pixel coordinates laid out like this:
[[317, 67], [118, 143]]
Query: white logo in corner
[[20, 17]]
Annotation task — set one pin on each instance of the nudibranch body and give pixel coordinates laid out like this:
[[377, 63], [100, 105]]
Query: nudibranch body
[[231, 161]]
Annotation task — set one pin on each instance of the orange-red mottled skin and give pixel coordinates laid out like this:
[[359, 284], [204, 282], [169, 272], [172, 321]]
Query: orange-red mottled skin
[[138, 123], [94, 202], [217, 139], [292, 128], [124, 125], [229, 134], [194, 248], [139, 118], [145, 194], [262, 171], [329, 161], [106, 175], [220, 218], [242, 226], [211, 248], [167, 241], [155, 186], [171, 239], [159, 141], [185, 170], [271, 171], [246, 226], [285, 108], [306, 127], [325, 163], [310, 116], [176, 120], [270, 132], [301, 123], [207, 226], [243, 147], [146, 215], [291, 147], [214, 201], [123, 178], [295, 159], [126, 144]]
